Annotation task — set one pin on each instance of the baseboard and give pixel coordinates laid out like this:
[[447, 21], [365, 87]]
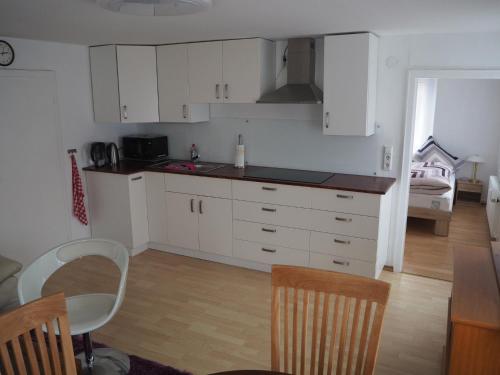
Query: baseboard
[[137, 250], [211, 257]]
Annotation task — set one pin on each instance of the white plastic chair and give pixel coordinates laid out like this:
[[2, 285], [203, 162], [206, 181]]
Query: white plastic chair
[[86, 312]]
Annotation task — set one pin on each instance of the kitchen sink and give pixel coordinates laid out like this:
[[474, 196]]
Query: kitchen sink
[[187, 166]]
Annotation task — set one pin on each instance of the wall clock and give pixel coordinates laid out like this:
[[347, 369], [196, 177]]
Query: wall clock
[[6, 53]]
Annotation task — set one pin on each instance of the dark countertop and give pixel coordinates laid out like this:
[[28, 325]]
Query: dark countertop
[[337, 181]]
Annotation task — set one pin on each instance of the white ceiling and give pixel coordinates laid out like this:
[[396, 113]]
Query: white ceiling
[[83, 22]]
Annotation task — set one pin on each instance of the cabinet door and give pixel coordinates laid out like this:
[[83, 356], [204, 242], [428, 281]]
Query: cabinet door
[[182, 220], [241, 71], [138, 209], [216, 223], [137, 83], [157, 213], [349, 88], [205, 72]]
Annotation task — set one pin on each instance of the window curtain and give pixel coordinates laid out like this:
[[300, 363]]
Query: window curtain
[[424, 111]]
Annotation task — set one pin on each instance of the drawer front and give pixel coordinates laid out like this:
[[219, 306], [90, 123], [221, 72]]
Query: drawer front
[[341, 264], [269, 254], [346, 201], [343, 246], [196, 185], [272, 193], [271, 234], [341, 223], [285, 216]]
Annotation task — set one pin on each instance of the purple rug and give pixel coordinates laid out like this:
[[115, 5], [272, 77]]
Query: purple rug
[[138, 365]]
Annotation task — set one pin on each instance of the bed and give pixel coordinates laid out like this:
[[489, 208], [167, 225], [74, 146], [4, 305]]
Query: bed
[[433, 185]]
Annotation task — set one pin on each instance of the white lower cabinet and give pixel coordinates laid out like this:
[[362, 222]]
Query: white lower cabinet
[[182, 220], [342, 264], [118, 208], [215, 221]]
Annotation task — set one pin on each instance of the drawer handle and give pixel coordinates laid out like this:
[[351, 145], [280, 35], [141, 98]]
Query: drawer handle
[[339, 263], [191, 204], [342, 242], [268, 250], [136, 178], [343, 196], [200, 206], [269, 230], [268, 209], [344, 219], [267, 188]]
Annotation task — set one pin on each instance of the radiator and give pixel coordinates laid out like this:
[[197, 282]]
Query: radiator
[[493, 207]]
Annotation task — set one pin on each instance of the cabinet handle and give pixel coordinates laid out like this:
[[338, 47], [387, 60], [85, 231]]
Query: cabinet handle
[[191, 204], [124, 112], [184, 111], [200, 206], [344, 219], [269, 230], [268, 250], [267, 188], [342, 242], [268, 209], [226, 91], [343, 196], [327, 119], [217, 91], [339, 263], [136, 178]]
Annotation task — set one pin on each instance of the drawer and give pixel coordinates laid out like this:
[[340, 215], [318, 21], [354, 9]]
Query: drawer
[[346, 201], [342, 264], [272, 193], [285, 216], [346, 224], [196, 185], [343, 246], [269, 254], [271, 234]]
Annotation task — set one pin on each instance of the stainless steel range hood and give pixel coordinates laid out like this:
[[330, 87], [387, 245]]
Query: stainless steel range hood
[[300, 86]]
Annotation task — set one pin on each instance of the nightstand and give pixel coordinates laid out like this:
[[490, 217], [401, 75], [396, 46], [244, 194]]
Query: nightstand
[[471, 190]]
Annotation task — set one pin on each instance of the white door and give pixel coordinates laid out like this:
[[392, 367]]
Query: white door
[[216, 223], [138, 209], [155, 193], [182, 220], [173, 89], [34, 212], [205, 72], [137, 83], [241, 76]]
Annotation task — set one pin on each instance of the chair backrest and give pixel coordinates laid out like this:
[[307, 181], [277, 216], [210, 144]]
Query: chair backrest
[[36, 274], [23, 346], [344, 330]]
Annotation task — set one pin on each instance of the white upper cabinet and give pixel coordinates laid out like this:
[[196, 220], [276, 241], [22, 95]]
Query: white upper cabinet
[[232, 71], [173, 86], [205, 72], [350, 79], [124, 84]]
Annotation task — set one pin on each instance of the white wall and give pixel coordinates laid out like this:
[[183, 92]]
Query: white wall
[[71, 65], [467, 122]]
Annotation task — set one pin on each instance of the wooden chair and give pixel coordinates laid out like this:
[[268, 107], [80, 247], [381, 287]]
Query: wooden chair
[[23, 344], [347, 315]]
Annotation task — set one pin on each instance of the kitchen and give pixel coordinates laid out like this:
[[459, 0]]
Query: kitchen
[[275, 175]]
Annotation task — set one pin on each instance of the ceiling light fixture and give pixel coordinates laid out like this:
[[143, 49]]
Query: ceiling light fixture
[[156, 7]]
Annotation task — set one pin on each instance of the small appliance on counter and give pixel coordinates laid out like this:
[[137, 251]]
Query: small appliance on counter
[[145, 147], [112, 154], [239, 160], [98, 154]]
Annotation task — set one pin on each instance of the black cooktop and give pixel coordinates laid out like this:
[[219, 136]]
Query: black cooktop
[[291, 175]]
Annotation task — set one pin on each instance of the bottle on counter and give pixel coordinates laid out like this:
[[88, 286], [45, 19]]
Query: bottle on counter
[[239, 160], [195, 155]]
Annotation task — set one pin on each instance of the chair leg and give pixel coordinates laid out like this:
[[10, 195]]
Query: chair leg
[[89, 353]]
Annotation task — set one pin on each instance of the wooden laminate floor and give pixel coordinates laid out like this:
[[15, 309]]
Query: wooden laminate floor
[[432, 256], [205, 317]]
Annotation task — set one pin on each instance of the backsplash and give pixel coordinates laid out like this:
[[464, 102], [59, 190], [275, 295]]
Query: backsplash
[[274, 135]]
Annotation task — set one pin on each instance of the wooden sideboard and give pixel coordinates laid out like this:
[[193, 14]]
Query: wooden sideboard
[[473, 338]]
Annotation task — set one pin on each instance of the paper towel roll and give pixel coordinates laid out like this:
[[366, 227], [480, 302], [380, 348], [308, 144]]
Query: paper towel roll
[[239, 161]]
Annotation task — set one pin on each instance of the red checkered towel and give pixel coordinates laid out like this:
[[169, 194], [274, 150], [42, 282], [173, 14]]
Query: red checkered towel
[[78, 196]]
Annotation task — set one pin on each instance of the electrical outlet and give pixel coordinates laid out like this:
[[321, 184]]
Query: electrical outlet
[[387, 162]]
